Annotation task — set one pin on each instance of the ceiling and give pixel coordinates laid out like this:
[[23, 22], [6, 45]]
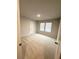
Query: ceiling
[[48, 9]]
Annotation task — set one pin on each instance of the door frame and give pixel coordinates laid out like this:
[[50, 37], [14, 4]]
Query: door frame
[[19, 48], [58, 47]]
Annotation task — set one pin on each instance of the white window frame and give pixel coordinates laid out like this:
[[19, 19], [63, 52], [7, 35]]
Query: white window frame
[[45, 27], [42, 25]]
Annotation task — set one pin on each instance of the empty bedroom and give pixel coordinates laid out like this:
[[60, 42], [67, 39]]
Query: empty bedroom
[[40, 35]]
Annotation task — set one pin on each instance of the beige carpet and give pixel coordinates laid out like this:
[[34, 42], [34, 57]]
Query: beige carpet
[[38, 46]]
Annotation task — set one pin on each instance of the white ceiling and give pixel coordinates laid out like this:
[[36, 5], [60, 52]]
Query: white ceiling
[[48, 9]]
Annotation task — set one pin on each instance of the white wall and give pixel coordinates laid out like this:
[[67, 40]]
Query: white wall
[[27, 26]]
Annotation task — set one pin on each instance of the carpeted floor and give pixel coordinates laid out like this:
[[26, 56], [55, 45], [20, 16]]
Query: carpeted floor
[[38, 46]]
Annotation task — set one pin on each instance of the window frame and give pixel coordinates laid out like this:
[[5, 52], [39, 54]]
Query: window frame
[[45, 27]]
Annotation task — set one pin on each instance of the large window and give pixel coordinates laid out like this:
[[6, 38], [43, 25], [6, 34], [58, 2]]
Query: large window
[[42, 26], [46, 26]]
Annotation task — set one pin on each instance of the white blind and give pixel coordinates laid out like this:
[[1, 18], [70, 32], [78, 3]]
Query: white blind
[[42, 26], [48, 27]]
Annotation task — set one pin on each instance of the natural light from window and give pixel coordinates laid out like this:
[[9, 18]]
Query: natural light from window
[[42, 26], [46, 26]]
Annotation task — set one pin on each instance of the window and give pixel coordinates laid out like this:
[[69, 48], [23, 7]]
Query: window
[[46, 26], [42, 26]]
